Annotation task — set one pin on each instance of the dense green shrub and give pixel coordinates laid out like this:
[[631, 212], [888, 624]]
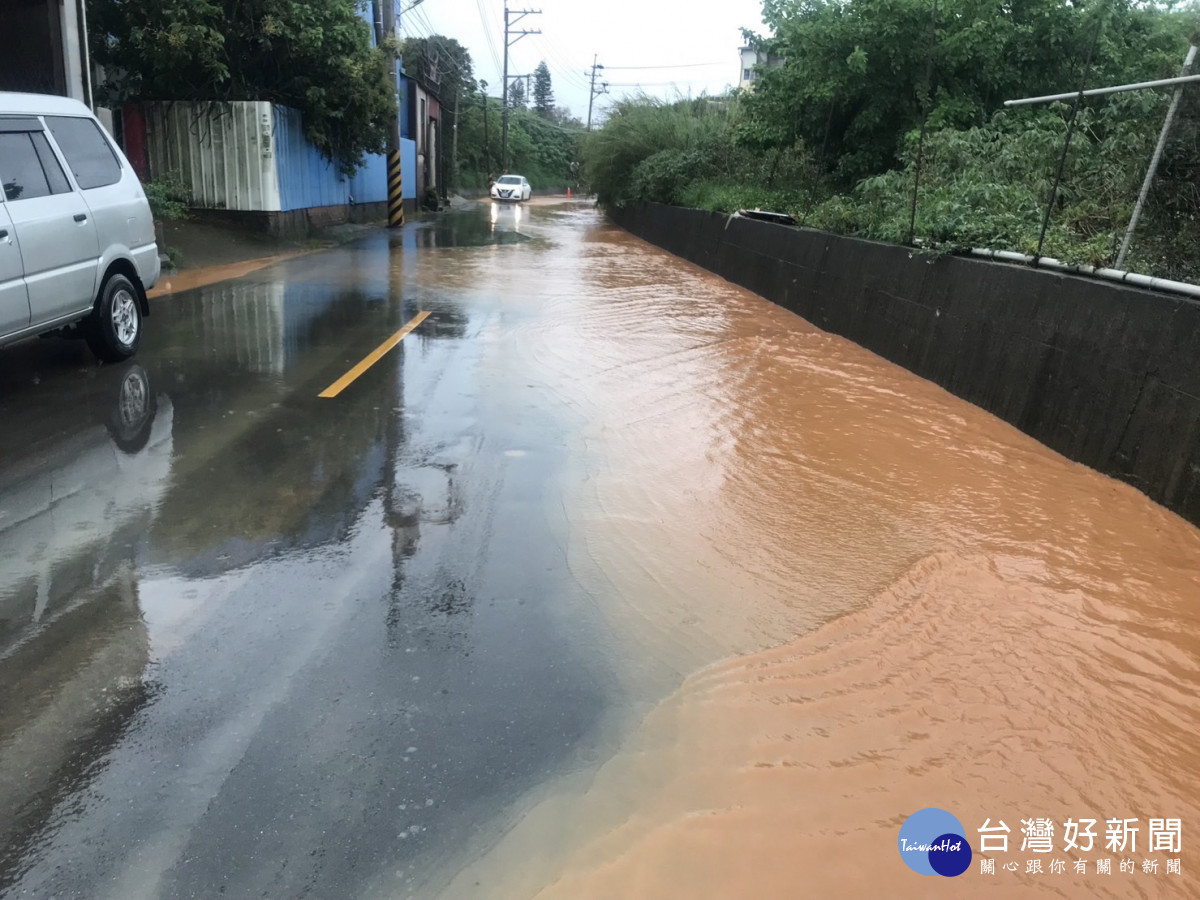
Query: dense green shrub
[[168, 196], [988, 186], [662, 176], [640, 128]]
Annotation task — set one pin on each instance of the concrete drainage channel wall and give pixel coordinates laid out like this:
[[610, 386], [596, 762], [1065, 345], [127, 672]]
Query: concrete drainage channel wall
[[1105, 374]]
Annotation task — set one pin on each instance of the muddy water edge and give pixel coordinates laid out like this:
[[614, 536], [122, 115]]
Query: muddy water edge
[[878, 598]]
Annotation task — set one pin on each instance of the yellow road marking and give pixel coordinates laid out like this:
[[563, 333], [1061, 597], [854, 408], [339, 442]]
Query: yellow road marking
[[373, 357]]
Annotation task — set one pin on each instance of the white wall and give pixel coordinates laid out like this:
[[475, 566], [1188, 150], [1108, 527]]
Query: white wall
[[72, 44]]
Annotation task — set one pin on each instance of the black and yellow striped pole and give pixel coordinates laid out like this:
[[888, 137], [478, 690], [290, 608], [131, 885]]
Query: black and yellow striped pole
[[395, 190], [395, 173]]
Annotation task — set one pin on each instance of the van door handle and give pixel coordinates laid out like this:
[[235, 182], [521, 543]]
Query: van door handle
[[3, 234], [80, 217]]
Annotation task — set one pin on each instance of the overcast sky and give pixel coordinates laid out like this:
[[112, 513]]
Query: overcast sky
[[667, 47]]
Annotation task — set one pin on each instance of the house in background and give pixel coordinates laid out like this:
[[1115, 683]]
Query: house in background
[[421, 120], [752, 58]]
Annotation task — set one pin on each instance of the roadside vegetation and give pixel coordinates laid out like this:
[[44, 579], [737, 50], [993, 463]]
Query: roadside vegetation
[[544, 150], [312, 55], [317, 56], [168, 197], [833, 134]]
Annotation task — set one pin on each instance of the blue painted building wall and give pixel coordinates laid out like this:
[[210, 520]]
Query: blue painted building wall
[[405, 104], [307, 179]]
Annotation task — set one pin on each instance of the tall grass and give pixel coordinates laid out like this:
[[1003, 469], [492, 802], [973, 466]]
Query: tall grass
[[695, 131]]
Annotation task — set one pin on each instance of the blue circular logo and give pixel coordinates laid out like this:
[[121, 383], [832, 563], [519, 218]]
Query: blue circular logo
[[933, 842]]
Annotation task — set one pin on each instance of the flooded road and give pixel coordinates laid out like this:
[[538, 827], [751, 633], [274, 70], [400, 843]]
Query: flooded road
[[611, 580]]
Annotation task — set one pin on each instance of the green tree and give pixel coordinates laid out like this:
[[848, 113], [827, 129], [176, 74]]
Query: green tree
[[441, 62], [313, 55], [543, 150], [478, 154], [516, 94], [543, 91], [853, 76]]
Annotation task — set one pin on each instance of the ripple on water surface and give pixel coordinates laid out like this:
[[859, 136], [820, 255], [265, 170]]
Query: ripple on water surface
[[884, 598]]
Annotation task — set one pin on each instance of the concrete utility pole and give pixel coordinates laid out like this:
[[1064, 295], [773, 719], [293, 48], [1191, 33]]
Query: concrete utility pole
[[454, 144], [377, 21], [395, 174], [593, 93], [510, 19], [487, 149]]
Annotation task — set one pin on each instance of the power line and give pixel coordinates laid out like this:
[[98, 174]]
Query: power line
[[511, 17], [412, 25], [487, 34], [436, 41], [437, 38], [565, 76], [564, 69], [544, 49], [592, 92], [629, 84], [424, 20], [680, 66]]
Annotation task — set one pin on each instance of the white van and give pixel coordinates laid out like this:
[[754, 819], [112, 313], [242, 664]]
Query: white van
[[77, 248]]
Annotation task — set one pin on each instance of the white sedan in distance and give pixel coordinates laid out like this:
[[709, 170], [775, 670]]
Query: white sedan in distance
[[511, 187]]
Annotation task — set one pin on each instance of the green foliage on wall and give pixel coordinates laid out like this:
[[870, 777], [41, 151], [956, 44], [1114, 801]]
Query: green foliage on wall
[[830, 131], [313, 55]]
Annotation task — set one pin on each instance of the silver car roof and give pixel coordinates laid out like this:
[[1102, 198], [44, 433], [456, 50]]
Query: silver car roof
[[40, 105]]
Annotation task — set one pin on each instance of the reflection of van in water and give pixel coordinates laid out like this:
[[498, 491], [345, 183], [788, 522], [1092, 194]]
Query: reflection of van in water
[[64, 505], [73, 646], [77, 248]]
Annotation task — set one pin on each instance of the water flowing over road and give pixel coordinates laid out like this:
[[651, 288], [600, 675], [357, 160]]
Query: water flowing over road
[[611, 580]]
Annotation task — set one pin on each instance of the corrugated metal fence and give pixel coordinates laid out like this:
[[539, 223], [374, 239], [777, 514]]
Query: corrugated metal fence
[[223, 152], [253, 156]]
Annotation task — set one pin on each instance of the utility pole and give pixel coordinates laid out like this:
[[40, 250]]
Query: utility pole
[[395, 174], [511, 18], [377, 21], [454, 145], [593, 93], [487, 149]]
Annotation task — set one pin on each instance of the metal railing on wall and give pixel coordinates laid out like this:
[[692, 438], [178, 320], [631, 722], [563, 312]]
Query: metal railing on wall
[[1077, 100]]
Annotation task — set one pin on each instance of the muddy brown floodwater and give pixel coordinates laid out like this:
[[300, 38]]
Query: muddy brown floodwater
[[878, 598]]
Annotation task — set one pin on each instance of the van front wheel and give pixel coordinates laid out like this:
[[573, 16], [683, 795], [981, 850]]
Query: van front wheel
[[114, 328]]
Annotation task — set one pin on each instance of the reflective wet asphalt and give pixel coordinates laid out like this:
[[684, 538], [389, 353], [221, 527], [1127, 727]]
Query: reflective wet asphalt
[[256, 642]]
